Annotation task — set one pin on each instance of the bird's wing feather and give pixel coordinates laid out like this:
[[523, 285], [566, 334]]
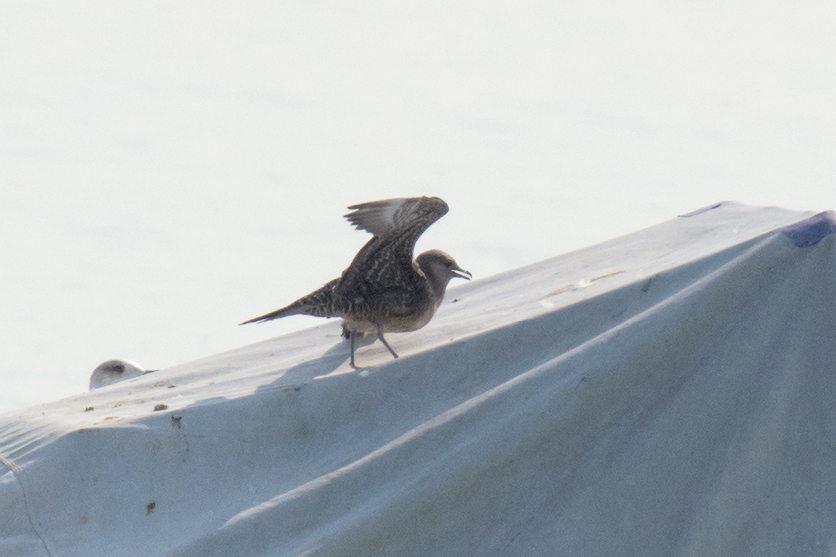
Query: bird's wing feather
[[377, 217]]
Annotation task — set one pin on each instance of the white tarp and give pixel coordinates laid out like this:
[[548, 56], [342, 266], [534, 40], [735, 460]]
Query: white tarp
[[670, 392]]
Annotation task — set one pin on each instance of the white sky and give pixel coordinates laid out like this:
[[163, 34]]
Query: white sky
[[168, 170]]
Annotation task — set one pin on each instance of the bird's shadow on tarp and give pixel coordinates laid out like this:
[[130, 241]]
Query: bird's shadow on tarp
[[329, 362], [296, 377]]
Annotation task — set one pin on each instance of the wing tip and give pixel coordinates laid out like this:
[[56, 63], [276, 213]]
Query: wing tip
[[381, 217]]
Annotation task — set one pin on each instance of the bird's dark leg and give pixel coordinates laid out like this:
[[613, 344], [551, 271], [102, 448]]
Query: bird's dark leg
[[383, 340], [351, 335]]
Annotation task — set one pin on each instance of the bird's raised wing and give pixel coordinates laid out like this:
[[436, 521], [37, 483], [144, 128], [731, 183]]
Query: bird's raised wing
[[396, 216], [385, 262]]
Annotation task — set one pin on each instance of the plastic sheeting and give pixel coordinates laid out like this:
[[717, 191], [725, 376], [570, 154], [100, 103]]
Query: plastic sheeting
[[670, 392]]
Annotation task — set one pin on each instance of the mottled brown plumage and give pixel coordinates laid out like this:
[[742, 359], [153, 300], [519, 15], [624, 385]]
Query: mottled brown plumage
[[384, 290]]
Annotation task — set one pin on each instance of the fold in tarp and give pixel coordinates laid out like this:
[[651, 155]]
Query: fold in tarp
[[669, 392]]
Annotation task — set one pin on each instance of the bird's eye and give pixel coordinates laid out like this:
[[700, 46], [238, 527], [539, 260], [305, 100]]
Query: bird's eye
[[119, 368]]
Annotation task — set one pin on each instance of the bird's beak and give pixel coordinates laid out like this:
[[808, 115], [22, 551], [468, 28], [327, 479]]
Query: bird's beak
[[461, 273]]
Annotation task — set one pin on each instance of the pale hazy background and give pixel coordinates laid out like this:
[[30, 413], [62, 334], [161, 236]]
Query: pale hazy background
[[170, 169]]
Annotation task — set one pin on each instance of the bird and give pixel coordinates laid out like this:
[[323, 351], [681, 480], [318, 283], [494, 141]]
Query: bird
[[384, 289], [113, 371]]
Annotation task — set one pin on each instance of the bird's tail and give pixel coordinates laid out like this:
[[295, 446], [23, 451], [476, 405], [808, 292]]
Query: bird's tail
[[292, 309], [317, 303]]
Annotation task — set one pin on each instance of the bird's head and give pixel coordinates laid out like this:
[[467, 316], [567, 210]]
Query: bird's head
[[440, 267]]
